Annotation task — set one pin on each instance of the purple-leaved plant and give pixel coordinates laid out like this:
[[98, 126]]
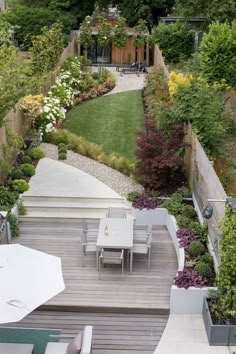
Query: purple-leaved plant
[[189, 277], [145, 202], [185, 237]]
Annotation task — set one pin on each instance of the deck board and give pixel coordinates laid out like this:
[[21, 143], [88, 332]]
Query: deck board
[[143, 289], [113, 333]]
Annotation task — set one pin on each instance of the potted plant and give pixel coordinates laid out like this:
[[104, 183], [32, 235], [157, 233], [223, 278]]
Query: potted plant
[[219, 310]]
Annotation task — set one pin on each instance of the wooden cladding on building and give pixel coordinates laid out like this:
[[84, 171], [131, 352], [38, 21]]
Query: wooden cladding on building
[[129, 53]]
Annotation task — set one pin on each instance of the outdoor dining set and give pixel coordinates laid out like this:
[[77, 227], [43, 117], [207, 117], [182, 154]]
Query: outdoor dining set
[[115, 237]]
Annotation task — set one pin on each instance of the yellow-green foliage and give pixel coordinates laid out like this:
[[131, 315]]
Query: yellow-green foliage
[[82, 146], [177, 79]]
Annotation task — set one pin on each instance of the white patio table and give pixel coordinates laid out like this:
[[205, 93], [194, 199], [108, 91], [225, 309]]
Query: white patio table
[[119, 235]]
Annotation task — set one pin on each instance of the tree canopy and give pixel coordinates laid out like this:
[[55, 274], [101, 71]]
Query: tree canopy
[[221, 10]]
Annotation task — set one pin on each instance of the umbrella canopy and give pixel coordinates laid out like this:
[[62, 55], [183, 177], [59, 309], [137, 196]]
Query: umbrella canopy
[[28, 278]]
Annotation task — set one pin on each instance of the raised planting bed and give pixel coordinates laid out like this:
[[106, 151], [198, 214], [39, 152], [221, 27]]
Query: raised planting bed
[[218, 334]]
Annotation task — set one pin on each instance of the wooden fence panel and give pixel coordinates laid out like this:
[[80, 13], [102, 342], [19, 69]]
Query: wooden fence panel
[[205, 185], [159, 61]]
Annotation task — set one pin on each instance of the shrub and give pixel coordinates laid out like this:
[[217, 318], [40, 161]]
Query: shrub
[[17, 174], [189, 211], [217, 53], [175, 40], [204, 269], [62, 156], [189, 277], [7, 198], [95, 75], [156, 93], [185, 237], [61, 145], [27, 169], [12, 219], [132, 196], [203, 107], [20, 185], [21, 208], [36, 153], [206, 258], [26, 159], [62, 149], [145, 202], [159, 166], [183, 221], [196, 248], [200, 231], [173, 206]]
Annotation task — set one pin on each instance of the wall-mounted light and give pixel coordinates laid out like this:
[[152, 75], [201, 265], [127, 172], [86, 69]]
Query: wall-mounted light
[[208, 210]]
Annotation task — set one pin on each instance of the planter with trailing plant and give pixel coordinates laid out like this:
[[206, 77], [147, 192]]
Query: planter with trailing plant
[[219, 310]]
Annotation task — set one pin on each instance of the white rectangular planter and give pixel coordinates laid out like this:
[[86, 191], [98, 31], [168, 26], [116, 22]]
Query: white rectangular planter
[[187, 301]]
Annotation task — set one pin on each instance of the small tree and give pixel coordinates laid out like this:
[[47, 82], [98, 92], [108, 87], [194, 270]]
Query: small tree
[[159, 165], [104, 35], [218, 53], [46, 49], [121, 36], [140, 36], [85, 36]]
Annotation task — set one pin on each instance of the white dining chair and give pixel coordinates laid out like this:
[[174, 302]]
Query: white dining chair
[[111, 257], [116, 213]]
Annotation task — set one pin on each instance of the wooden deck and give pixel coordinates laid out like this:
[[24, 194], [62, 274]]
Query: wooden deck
[[145, 290], [112, 333], [128, 316]]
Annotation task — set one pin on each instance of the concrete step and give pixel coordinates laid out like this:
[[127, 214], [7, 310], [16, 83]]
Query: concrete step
[[73, 200], [88, 211]]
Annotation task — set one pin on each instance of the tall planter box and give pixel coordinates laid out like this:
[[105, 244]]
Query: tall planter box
[[217, 334]]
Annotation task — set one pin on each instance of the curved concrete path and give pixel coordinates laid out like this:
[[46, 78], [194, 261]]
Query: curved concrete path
[[127, 82], [54, 178]]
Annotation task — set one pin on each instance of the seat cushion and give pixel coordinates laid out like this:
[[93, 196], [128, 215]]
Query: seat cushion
[[56, 348], [75, 346]]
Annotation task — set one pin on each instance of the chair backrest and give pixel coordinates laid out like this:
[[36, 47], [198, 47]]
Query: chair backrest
[[87, 340], [141, 228], [116, 213], [149, 239], [84, 225], [83, 237]]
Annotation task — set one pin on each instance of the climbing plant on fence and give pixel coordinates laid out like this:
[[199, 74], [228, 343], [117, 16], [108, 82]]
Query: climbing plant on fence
[[46, 49], [227, 270]]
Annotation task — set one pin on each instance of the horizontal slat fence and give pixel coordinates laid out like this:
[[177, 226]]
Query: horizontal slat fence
[[205, 185], [15, 119]]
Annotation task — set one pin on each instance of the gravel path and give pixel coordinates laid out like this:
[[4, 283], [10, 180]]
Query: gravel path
[[115, 180]]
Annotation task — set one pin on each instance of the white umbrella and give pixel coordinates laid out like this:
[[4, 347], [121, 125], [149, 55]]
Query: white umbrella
[[28, 278]]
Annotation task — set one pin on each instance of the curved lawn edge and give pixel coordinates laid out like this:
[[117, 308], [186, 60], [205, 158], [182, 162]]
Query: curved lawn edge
[[110, 121]]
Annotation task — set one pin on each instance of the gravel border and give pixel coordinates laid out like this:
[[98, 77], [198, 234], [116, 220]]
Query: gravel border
[[120, 183]]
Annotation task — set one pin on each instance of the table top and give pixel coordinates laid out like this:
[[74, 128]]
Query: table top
[[120, 233], [15, 348]]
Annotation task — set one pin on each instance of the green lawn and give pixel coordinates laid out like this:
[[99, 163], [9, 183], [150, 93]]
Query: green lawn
[[111, 121]]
